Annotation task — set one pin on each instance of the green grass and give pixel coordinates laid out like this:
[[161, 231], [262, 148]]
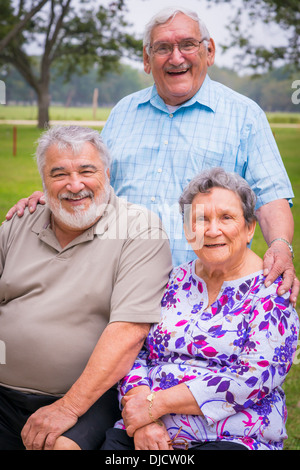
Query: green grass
[[18, 174], [86, 114], [284, 118], [19, 178], [59, 113]]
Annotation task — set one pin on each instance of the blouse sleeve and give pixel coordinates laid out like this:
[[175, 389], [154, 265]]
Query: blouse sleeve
[[267, 352]]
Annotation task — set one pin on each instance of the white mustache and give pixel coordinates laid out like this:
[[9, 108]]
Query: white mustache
[[179, 68], [80, 195]]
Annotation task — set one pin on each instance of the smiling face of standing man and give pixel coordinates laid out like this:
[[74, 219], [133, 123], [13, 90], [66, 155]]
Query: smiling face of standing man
[[178, 76]]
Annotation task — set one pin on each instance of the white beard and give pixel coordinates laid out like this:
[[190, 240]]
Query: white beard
[[81, 218]]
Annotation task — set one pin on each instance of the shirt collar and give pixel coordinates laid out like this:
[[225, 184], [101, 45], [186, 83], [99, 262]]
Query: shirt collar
[[205, 96]]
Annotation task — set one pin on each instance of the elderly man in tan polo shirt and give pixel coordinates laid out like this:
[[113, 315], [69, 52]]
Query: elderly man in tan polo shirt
[[81, 281]]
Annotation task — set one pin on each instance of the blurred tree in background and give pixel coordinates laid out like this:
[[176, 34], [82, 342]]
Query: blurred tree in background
[[72, 38], [73, 35], [260, 57]]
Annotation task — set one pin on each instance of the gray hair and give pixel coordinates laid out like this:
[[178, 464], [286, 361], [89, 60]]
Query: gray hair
[[73, 137], [167, 14], [219, 178]]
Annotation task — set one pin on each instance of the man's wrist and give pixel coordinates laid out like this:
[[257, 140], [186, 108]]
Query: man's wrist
[[280, 239], [72, 403]]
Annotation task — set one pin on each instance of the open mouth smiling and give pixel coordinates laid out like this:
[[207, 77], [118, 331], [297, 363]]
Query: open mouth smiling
[[181, 72], [76, 198], [177, 71], [215, 245]]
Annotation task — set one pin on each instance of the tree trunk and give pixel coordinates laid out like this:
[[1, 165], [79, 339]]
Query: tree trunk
[[43, 106]]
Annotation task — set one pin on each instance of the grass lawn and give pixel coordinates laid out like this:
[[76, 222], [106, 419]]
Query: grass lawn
[[86, 114], [19, 178], [56, 113]]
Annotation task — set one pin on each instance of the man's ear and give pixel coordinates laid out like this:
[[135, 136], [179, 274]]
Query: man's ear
[[211, 51], [147, 66]]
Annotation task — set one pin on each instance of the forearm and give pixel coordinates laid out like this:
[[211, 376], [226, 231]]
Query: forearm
[[111, 359], [276, 221], [178, 400], [139, 411]]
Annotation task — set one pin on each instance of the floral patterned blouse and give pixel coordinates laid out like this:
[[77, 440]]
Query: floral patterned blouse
[[233, 356]]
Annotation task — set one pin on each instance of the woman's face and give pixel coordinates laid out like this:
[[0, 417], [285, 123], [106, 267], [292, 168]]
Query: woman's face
[[219, 231]]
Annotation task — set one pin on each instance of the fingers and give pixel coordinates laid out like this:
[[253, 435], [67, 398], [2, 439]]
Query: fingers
[[130, 430], [295, 291], [31, 202], [279, 262], [45, 425], [152, 437], [40, 441], [35, 437], [17, 208]]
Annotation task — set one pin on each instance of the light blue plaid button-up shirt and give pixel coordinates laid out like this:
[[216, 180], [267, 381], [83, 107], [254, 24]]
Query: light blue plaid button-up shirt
[[155, 152]]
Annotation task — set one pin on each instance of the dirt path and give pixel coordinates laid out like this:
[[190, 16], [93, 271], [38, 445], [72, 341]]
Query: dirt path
[[101, 123]]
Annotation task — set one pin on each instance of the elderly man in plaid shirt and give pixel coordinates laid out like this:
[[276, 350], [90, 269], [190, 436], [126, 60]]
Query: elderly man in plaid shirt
[[161, 137]]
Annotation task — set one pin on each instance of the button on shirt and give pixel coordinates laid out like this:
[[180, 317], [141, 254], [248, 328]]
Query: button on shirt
[[156, 152]]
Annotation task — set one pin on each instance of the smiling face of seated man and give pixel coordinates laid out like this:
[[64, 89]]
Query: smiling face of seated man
[[76, 187]]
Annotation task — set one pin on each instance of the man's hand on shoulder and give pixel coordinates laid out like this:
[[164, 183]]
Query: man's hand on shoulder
[[32, 201], [278, 261]]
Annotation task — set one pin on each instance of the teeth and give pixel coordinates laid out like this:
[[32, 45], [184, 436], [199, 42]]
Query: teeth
[[75, 198], [179, 71]]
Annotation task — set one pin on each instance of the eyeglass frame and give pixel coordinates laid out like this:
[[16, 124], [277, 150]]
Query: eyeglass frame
[[178, 45]]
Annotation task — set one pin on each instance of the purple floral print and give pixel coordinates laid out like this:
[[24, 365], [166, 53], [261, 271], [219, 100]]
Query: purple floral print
[[233, 356]]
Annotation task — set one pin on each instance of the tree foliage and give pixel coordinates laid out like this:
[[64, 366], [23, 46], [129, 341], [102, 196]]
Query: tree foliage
[[272, 90], [283, 13], [13, 24], [72, 34]]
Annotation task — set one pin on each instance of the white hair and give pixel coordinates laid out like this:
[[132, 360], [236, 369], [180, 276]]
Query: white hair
[[218, 178], [73, 137], [167, 14]]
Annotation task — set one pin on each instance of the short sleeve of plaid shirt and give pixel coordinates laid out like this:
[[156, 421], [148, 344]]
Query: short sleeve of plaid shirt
[[155, 152]]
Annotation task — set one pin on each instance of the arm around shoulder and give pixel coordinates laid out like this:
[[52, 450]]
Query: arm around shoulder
[[32, 201]]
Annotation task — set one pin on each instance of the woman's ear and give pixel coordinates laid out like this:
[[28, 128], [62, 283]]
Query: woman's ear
[[251, 230]]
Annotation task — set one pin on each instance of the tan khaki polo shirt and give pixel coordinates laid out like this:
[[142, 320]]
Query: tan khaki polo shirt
[[55, 303]]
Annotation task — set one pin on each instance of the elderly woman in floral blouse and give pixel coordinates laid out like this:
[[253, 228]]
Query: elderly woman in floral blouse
[[210, 373]]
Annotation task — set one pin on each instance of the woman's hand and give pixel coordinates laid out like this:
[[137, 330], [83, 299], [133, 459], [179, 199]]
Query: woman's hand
[[152, 437], [177, 399], [136, 411]]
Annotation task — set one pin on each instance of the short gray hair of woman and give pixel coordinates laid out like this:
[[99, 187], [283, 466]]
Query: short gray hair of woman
[[73, 137], [219, 178], [167, 14]]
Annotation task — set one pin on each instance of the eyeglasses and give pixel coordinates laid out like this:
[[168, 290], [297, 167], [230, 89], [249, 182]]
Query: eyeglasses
[[186, 46]]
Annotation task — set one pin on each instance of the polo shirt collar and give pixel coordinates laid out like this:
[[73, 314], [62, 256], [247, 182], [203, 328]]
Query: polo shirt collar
[[205, 96]]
